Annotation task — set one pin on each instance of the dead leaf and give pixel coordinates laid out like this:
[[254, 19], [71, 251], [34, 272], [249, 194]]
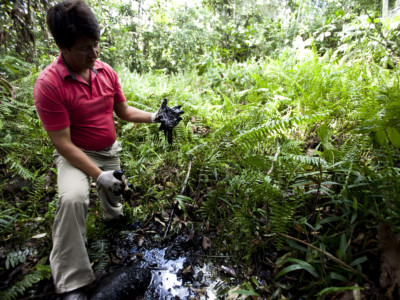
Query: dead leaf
[[140, 256], [200, 291], [140, 240], [206, 243], [116, 260], [190, 236], [359, 239], [233, 295], [47, 180], [228, 271], [188, 270], [310, 152], [39, 236], [170, 184], [159, 221]]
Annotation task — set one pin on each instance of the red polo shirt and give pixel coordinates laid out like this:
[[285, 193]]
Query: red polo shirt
[[63, 99]]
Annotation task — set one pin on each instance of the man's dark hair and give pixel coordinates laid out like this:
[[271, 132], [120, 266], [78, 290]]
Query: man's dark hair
[[72, 18]]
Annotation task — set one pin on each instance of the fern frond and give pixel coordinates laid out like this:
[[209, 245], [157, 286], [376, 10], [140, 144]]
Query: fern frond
[[281, 217], [304, 159], [19, 169], [18, 289], [254, 136], [16, 257], [38, 191], [98, 253]]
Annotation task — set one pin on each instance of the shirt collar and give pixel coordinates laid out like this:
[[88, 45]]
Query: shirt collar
[[65, 70]]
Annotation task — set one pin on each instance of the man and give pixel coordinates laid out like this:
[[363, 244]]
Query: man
[[75, 97]]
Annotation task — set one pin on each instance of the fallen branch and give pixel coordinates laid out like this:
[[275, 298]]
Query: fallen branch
[[329, 255]]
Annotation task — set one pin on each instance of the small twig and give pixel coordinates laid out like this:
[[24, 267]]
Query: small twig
[[188, 174], [329, 255], [214, 256], [175, 204], [157, 269], [278, 150]]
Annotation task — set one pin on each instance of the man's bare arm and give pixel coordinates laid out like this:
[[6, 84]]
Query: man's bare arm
[[132, 114], [61, 140]]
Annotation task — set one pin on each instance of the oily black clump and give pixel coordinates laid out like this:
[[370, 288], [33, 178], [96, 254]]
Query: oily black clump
[[169, 118]]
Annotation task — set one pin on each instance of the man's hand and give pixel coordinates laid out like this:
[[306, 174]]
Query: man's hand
[[108, 180], [168, 117]]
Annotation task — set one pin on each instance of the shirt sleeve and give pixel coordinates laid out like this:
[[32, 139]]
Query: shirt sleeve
[[50, 107]]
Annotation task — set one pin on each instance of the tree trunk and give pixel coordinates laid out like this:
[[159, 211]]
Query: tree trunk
[[396, 7], [385, 8], [297, 19]]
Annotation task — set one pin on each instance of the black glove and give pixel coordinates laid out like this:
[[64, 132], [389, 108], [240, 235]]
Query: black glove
[[169, 118], [125, 189]]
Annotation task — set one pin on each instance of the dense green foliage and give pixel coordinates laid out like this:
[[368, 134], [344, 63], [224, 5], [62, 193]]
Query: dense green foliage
[[292, 117]]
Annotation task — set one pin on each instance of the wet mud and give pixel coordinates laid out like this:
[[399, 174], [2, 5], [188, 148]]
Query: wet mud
[[175, 264], [122, 284]]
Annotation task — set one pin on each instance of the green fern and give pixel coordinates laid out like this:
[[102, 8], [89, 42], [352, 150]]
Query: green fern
[[98, 253], [17, 166], [254, 136], [7, 218], [303, 159], [281, 216], [16, 257], [40, 273]]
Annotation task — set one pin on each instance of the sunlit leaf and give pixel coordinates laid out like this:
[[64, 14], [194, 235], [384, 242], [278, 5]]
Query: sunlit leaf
[[394, 136]]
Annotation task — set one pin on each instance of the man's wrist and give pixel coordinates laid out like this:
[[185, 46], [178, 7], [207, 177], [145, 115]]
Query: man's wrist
[[153, 117], [97, 175]]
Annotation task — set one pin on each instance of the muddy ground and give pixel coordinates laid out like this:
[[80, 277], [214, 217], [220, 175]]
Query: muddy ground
[[141, 261]]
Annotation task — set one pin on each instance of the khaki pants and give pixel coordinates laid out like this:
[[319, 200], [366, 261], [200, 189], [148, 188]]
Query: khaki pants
[[69, 259]]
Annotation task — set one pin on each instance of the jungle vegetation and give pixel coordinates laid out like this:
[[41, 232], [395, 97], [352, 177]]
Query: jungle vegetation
[[292, 118]]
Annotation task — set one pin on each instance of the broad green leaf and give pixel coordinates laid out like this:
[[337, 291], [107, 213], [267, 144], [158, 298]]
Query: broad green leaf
[[343, 246], [394, 136], [331, 219], [246, 292], [339, 289], [359, 261], [181, 200], [330, 183], [380, 137], [299, 265], [355, 203], [353, 217], [338, 276]]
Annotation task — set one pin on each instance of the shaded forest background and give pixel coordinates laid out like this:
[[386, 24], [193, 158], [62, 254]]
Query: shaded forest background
[[292, 113]]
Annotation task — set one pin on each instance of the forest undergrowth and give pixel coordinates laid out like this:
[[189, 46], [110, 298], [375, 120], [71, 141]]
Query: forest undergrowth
[[295, 172]]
